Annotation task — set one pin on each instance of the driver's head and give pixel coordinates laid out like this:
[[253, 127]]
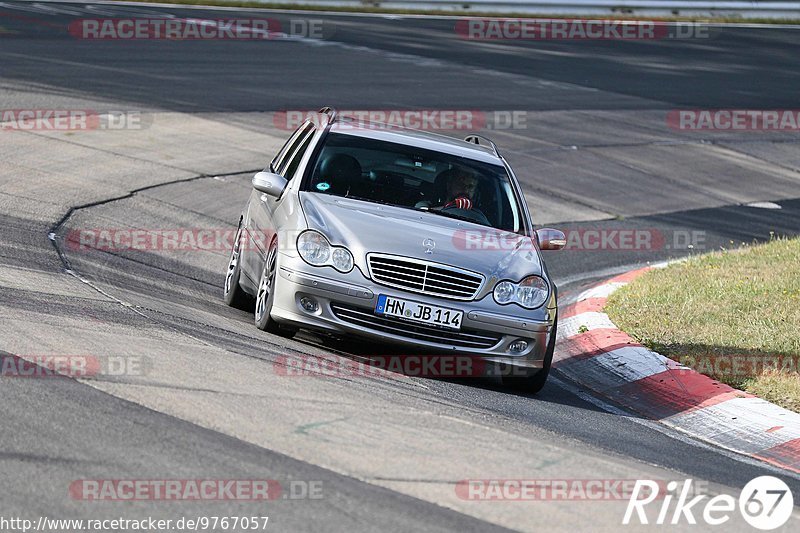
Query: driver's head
[[461, 183]]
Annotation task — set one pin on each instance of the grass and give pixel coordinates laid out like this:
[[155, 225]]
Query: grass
[[370, 7], [733, 315]]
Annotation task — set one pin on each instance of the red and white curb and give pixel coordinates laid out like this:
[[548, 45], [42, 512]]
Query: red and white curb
[[594, 353]]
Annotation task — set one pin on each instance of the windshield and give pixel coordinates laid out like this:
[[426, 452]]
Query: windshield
[[405, 176]]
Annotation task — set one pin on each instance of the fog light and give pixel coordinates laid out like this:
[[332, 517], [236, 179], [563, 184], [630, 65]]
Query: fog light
[[309, 305], [518, 346]]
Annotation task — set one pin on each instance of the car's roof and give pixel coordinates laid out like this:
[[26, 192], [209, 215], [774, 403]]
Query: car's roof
[[418, 138]]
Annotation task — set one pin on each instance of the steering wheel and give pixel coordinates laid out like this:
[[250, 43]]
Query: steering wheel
[[473, 214]]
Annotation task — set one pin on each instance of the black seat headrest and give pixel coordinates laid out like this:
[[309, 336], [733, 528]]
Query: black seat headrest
[[340, 171]]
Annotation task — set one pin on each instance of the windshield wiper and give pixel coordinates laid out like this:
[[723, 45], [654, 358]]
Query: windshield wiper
[[449, 215], [371, 200], [376, 201]]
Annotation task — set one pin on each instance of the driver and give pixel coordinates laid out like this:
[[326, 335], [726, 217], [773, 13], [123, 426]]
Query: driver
[[459, 190]]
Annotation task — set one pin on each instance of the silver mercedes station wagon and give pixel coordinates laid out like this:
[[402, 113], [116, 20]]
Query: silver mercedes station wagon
[[368, 230]]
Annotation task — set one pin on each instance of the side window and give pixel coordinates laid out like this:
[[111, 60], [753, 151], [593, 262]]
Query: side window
[[293, 161], [290, 146]]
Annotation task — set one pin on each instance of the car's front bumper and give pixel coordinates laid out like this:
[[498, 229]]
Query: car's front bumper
[[346, 306]]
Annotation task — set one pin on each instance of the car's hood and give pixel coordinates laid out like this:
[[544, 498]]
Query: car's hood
[[365, 227]]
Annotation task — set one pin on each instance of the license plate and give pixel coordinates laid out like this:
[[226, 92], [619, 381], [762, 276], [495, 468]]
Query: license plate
[[419, 312]]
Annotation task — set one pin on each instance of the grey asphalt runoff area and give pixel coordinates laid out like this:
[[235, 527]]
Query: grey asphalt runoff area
[[593, 150]]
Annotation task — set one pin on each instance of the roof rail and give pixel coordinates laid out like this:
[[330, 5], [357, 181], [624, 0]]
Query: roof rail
[[476, 139], [330, 111]]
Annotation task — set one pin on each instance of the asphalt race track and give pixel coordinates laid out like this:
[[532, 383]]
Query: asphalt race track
[[594, 153]]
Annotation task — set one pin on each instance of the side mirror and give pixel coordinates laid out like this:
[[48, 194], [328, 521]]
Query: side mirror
[[551, 239], [269, 183]]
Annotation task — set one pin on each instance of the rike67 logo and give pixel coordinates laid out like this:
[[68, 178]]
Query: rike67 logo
[[765, 503]]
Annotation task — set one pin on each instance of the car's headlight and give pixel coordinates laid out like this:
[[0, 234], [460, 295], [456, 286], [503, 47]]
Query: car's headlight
[[504, 292], [315, 250], [530, 293], [342, 259]]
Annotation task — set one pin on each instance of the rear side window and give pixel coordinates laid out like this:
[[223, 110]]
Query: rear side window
[[293, 161], [279, 162]]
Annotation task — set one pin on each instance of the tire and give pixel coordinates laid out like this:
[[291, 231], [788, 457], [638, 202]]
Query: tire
[[266, 295], [533, 383], [233, 293]]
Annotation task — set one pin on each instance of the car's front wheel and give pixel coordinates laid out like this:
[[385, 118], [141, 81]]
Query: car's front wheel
[[533, 383], [232, 292], [266, 295]]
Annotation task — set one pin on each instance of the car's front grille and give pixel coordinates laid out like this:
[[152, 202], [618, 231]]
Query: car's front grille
[[462, 339], [424, 277]]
